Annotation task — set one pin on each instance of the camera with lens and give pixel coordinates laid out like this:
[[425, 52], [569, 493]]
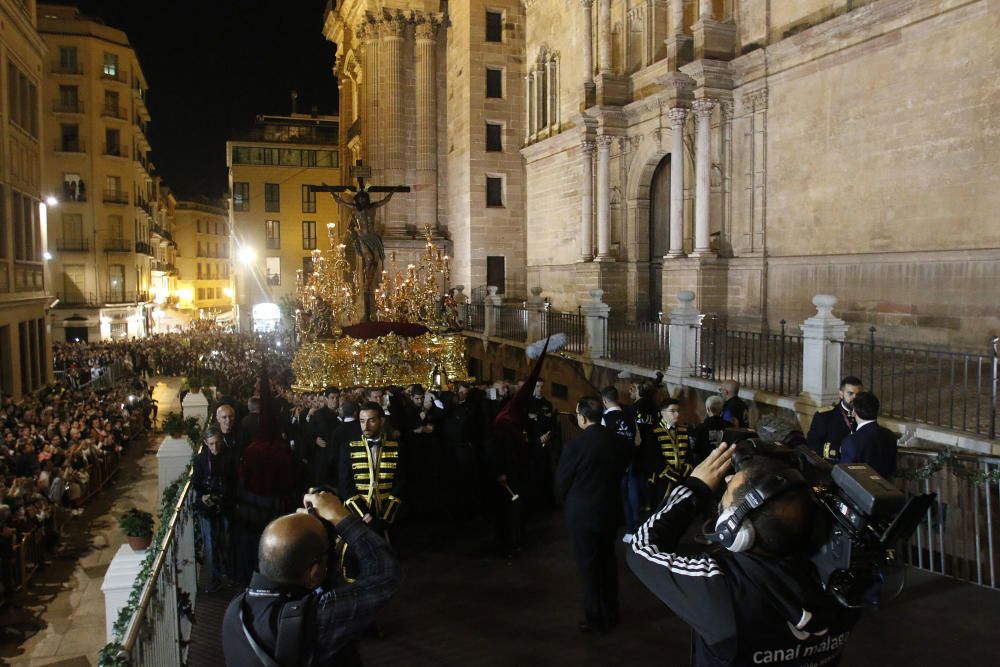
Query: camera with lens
[[862, 517]]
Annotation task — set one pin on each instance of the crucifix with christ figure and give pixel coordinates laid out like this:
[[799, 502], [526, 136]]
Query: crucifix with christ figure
[[365, 232]]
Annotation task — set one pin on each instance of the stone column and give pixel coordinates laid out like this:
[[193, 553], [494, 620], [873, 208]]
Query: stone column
[[604, 198], [677, 17], [492, 301], [677, 117], [703, 167], [685, 326], [823, 336], [426, 110], [536, 311], [604, 35], [392, 95], [588, 44], [678, 43], [368, 112], [172, 459], [529, 85], [705, 9], [595, 313], [587, 149]]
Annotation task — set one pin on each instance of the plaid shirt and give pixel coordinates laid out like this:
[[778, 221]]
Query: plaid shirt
[[339, 615]]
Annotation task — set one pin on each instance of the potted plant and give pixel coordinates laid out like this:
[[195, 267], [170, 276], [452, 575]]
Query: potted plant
[[194, 384], [174, 425], [138, 528]]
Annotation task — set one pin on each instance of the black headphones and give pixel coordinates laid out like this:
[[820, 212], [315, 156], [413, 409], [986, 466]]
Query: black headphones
[[732, 530]]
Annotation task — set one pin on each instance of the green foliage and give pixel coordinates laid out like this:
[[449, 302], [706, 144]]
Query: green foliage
[[136, 523], [948, 459], [176, 426], [109, 655]]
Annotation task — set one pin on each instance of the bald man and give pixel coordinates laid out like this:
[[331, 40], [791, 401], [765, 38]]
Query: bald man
[[286, 616]]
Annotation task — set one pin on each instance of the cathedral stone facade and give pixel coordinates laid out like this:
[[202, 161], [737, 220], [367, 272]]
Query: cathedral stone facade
[[754, 152]]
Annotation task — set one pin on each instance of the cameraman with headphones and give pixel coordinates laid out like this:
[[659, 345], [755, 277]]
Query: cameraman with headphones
[[758, 600]]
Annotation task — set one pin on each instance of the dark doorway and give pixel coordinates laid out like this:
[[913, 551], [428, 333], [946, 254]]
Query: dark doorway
[[74, 334], [659, 233], [496, 273]]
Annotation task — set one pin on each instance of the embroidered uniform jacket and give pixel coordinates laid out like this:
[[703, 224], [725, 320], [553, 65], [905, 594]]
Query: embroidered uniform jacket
[[372, 486], [670, 458]]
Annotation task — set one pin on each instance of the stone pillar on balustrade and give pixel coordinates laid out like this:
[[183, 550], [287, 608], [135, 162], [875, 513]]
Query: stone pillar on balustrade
[[713, 39], [685, 328], [535, 306], [595, 323], [823, 337], [491, 301]]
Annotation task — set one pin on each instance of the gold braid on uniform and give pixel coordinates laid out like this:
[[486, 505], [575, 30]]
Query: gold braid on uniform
[[674, 449]]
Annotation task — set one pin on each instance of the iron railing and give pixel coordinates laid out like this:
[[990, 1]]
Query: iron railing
[[73, 245], [953, 389], [768, 361], [159, 630], [474, 317], [571, 324], [644, 344], [960, 536], [510, 323]]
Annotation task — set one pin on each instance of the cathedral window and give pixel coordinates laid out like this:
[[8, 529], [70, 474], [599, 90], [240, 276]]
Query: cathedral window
[[543, 96]]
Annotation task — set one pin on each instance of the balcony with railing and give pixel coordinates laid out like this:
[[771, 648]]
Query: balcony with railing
[[115, 150], [63, 68], [113, 111], [144, 248], [115, 197], [76, 298], [64, 106], [73, 245], [116, 76], [70, 145], [118, 296], [118, 245]]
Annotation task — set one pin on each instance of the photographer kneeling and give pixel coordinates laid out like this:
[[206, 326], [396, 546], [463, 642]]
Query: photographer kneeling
[[285, 617], [758, 600]]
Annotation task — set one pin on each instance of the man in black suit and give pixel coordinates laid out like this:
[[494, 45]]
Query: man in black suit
[[871, 442], [587, 481], [831, 425]]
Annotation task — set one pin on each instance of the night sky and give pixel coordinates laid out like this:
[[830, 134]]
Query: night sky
[[212, 66]]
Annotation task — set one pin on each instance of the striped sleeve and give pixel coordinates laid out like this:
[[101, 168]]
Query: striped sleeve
[[694, 587]]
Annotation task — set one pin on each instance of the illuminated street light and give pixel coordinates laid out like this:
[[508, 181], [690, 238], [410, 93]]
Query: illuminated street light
[[47, 255], [246, 254], [51, 201]]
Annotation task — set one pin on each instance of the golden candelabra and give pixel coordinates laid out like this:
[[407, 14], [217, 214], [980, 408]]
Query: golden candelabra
[[415, 295], [327, 299]]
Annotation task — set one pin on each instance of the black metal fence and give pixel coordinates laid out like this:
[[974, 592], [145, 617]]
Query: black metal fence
[[571, 324], [510, 323], [474, 317], [960, 535], [948, 388], [645, 344], [768, 361]]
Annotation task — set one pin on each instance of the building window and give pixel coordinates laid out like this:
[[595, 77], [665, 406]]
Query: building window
[[201, 294], [69, 141], [543, 93], [67, 59], [116, 283], [272, 233], [494, 136], [110, 66], [111, 104], [113, 185], [272, 197], [494, 82], [198, 225], [199, 271], [494, 26], [308, 234], [494, 191], [112, 142], [308, 200], [307, 266], [116, 227], [272, 269], [496, 273], [22, 100], [241, 196], [69, 99]]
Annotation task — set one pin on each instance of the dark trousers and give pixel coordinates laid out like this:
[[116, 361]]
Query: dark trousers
[[594, 550], [631, 490]]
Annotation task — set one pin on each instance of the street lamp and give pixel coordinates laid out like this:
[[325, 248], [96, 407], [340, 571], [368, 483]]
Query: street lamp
[[51, 201], [246, 254]]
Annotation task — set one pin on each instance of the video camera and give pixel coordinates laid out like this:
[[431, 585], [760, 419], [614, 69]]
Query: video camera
[[865, 517]]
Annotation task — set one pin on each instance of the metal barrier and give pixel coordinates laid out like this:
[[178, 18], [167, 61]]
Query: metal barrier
[[160, 628], [510, 323], [571, 324], [956, 390], [960, 536], [644, 344], [762, 360], [474, 317]]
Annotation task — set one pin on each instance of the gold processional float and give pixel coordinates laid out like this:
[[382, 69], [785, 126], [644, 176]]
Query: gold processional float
[[397, 327]]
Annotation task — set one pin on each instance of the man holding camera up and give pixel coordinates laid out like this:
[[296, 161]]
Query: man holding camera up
[[758, 601], [287, 617]]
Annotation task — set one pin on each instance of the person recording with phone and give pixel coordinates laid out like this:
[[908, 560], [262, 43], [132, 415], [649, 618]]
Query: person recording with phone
[[758, 600], [291, 614]]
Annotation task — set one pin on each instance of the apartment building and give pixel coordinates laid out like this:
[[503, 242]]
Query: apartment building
[[25, 345], [276, 221], [107, 237], [204, 283]]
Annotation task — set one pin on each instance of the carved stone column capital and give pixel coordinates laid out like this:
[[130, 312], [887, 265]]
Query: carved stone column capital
[[427, 28], [677, 116], [587, 147], [604, 141], [394, 24], [587, 4], [755, 100], [703, 108]]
